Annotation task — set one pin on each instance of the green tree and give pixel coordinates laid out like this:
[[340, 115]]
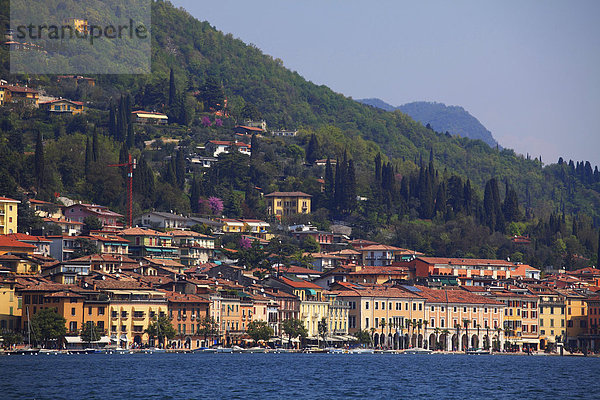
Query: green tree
[[90, 332], [322, 327], [161, 329], [91, 223], [39, 161], [47, 325], [313, 149], [363, 336], [259, 330], [84, 247], [207, 327], [10, 338], [294, 328], [172, 90]]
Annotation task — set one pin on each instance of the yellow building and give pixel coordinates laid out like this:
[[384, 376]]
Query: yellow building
[[575, 316], [10, 305], [552, 318], [20, 94], [232, 225], [520, 320], [63, 106], [288, 203], [392, 315], [337, 318], [8, 215], [131, 312]]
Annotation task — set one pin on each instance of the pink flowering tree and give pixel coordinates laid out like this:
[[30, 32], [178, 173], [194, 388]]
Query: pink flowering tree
[[215, 204], [206, 121], [218, 122], [245, 243]]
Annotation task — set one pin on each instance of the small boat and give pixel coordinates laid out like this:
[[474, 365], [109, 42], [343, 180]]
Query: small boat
[[417, 350], [335, 350], [477, 351], [154, 350], [23, 352], [205, 350], [361, 351], [223, 350]]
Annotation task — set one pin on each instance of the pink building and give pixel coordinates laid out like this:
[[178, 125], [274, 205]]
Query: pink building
[[78, 212]]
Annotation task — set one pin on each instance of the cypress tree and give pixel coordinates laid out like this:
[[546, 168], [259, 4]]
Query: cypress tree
[[39, 161], [337, 188], [378, 168], [180, 169], [329, 183], [350, 187], [112, 120], [88, 157], [172, 90], [510, 207], [312, 150], [95, 147], [441, 200]]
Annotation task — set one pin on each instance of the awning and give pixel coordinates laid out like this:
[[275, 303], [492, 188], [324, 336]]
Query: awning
[[77, 340], [311, 292]]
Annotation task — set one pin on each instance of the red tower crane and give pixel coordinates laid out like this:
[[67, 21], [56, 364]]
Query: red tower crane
[[131, 164]]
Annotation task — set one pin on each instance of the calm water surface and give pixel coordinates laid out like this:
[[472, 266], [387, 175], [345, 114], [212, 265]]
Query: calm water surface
[[297, 376]]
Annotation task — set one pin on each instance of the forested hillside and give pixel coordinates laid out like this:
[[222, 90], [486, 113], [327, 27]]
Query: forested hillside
[[418, 188]]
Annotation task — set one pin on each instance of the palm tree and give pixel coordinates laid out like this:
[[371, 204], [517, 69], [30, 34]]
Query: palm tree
[[372, 335], [446, 332], [466, 322], [408, 323], [425, 323], [498, 331], [436, 332], [383, 324]]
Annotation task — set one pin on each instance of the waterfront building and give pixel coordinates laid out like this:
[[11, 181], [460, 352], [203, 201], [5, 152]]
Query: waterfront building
[[459, 319], [185, 313], [393, 315], [521, 319], [465, 268]]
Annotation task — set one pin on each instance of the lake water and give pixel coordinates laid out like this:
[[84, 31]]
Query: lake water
[[297, 376]]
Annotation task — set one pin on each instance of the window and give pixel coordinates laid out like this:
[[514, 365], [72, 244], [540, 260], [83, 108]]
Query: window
[[541, 322], [420, 306], [89, 310], [432, 321], [442, 308], [366, 306], [414, 306], [376, 305], [123, 328], [455, 309], [432, 308], [366, 322], [406, 306], [72, 310], [464, 309], [376, 322], [390, 306], [73, 326], [442, 323], [474, 309], [100, 310]]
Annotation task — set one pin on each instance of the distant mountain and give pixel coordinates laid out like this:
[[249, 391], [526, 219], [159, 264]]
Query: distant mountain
[[374, 102], [453, 119]]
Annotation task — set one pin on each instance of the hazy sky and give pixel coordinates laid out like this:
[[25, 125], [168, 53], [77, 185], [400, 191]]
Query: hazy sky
[[528, 70]]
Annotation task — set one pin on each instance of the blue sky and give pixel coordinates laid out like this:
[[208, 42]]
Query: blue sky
[[528, 70]]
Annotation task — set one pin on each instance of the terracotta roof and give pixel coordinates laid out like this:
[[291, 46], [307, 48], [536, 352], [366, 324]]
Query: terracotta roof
[[141, 232], [454, 296], [380, 247], [374, 270], [250, 128], [363, 290], [28, 238], [79, 103], [288, 194], [6, 199], [299, 284], [7, 241], [175, 297], [294, 269]]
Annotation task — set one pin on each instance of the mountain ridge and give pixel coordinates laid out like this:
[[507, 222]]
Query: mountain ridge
[[441, 117]]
